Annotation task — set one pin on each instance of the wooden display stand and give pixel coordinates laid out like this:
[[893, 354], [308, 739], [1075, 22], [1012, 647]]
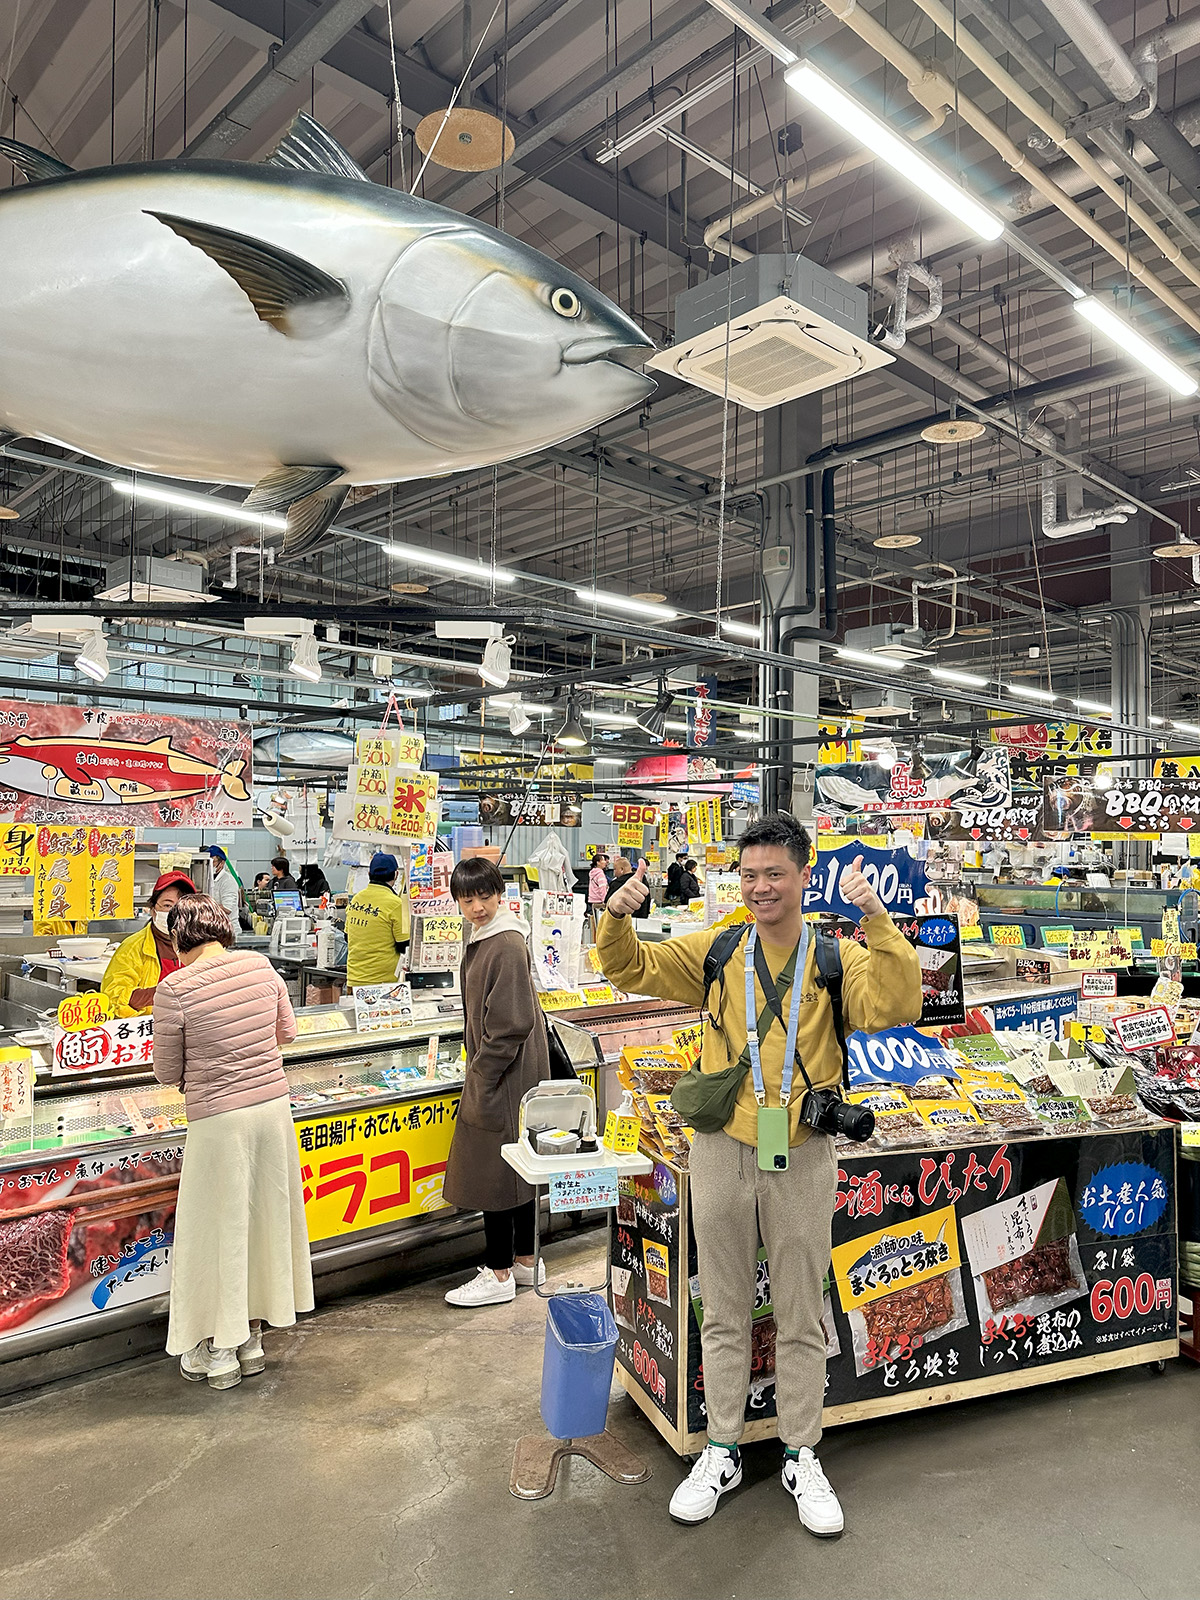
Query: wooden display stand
[[1092, 1320]]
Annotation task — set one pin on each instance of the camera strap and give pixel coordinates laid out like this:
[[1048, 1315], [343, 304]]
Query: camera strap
[[756, 964]]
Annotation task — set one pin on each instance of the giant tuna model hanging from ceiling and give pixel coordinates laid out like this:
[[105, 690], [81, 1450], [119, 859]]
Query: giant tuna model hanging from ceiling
[[290, 326]]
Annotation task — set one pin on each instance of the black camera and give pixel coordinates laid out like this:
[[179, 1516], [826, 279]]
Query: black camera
[[827, 1112]]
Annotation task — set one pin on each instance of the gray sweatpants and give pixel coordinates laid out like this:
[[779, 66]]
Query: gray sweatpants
[[732, 1201]]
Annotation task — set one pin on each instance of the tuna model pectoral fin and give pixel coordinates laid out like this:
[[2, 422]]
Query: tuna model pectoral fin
[[275, 282], [286, 485], [309, 519], [33, 163], [307, 147]]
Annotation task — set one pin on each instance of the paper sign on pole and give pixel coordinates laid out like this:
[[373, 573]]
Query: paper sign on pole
[[16, 1083], [414, 806]]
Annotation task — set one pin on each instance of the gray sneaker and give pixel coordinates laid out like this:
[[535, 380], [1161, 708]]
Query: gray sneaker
[[220, 1367]]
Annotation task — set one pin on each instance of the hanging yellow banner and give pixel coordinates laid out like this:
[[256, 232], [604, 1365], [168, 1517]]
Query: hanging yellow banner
[[83, 874], [17, 849], [414, 806]]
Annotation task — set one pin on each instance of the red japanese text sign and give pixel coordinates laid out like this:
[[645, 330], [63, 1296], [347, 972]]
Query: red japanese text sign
[[126, 1042]]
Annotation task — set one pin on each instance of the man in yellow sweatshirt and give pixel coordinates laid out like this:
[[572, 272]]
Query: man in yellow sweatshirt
[[733, 1199]]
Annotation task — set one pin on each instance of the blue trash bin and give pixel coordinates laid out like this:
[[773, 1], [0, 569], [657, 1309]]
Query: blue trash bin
[[577, 1368]]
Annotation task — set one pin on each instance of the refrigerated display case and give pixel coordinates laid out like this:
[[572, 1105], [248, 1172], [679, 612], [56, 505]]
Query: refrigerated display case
[[88, 1184], [1123, 906]]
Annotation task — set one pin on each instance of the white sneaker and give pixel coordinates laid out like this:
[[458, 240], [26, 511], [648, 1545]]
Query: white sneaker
[[523, 1276], [220, 1367], [251, 1356], [485, 1289], [714, 1474], [819, 1509]]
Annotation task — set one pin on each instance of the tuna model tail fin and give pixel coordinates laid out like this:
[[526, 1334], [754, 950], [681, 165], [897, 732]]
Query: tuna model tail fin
[[233, 783], [33, 163]]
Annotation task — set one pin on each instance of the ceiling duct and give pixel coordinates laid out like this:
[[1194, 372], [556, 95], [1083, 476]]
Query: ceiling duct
[[771, 329]]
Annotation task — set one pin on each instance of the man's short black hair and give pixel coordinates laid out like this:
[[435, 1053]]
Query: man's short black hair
[[781, 828], [280, 864], [476, 875]]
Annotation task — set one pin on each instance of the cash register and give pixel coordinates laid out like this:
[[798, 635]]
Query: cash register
[[290, 930]]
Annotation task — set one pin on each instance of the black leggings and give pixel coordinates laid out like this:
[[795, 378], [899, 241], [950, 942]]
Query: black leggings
[[507, 1234]]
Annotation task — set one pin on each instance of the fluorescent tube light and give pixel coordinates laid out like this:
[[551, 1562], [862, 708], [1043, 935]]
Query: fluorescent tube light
[[617, 718], [1186, 727], [419, 556], [1027, 692], [969, 680], [902, 156], [1133, 343], [1093, 705], [623, 602], [609, 761], [742, 630], [1157, 722], [870, 659], [207, 504]]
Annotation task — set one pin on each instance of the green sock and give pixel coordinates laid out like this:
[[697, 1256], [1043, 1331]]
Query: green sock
[[732, 1448], [791, 1454]]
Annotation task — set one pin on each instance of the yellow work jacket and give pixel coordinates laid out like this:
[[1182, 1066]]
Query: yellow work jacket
[[135, 964]]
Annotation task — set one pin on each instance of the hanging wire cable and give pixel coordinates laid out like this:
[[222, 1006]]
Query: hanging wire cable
[[458, 89], [398, 100], [724, 491]]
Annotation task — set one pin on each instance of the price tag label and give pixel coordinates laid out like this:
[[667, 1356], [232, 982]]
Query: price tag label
[[562, 999], [970, 930], [1189, 1133], [1007, 933], [600, 994]]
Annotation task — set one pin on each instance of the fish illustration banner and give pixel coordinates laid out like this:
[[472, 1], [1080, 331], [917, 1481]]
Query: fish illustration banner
[[76, 765], [930, 783]]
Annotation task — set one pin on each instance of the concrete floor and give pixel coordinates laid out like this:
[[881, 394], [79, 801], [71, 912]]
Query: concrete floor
[[372, 1459]]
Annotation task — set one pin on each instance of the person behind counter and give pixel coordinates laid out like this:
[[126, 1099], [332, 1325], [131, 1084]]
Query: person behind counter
[[313, 882], [674, 872], [141, 962], [377, 925], [507, 1055], [240, 1256], [281, 874], [621, 870], [689, 883], [227, 886], [749, 1173]]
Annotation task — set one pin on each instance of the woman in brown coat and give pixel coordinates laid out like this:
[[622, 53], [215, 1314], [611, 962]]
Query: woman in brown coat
[[507, 1056]]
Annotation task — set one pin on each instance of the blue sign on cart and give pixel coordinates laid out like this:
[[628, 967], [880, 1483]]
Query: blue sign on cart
[[589, 1189]]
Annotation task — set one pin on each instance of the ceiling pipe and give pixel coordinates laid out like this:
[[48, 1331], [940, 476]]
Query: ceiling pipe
[[1161, 45], [772, 199], [1019, 97]]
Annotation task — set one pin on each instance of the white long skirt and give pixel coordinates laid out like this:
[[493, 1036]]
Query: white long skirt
[[241, 1246]]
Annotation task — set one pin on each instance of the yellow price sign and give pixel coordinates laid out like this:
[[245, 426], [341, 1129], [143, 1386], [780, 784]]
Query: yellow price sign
[[1189, 1133], [1011, 934], [373, 783], [970, 930], [562, 999], [80, 1011], [599, 994]]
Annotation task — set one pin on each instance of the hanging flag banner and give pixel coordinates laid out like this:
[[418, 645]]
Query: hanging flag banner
[[897, 878], [701, 726], [73, 764], [414, 806], [982, 780], [83, 874], [1130, 806], [1016, 823], [16, 850], [1053, 741]]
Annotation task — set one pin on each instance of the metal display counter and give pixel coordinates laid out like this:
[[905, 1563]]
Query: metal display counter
[[1017, 1263], [1034, 908], [87, 1190]]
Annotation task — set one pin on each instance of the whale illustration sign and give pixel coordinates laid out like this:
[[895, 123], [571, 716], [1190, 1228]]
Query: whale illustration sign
[[74, 764]]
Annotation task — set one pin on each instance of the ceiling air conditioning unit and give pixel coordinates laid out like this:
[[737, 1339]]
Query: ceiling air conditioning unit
[[771, 329], [154, 578], [881, 702], [893, 639]]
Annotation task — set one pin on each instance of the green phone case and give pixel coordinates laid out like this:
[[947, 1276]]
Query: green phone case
[[774, 1132]]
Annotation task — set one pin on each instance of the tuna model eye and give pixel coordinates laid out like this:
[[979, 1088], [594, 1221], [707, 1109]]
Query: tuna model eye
[[565, 302]]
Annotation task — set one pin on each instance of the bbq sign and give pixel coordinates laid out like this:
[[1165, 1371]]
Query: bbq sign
[[1132, 806], [1018, 822]]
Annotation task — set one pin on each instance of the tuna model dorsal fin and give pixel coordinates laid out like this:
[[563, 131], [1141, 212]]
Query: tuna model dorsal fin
[[35, 164], [275, 282], [286, 485], [307, 147]]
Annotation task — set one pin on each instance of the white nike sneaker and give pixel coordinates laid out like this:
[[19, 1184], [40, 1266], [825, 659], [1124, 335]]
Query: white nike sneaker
[[484, 1289], [523, 1276], [220, 1367], [819, 1509], [714, 1474]]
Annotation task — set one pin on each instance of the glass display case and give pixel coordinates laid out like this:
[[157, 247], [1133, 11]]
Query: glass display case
[[1123, 906]]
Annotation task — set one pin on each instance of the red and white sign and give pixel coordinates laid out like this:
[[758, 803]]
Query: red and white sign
[[77, 765], [645, 815], [1098, 985], [125, 1042], [1138, 1029]]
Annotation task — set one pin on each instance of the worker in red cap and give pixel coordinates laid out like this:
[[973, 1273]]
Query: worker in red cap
[[141, 962]]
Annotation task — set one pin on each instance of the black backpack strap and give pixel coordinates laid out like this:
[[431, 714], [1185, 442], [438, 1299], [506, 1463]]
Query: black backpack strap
[[718, 956], [829, 969]]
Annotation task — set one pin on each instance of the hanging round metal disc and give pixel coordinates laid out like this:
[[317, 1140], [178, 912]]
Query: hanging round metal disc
[[896, 541], [961, 431], [9, 513], [410, 588], [471, 141]]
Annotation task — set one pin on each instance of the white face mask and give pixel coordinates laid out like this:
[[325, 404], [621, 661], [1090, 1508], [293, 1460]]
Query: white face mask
[[160, 921]]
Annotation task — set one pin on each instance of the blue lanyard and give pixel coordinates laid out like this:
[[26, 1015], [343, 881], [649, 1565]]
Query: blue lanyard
[[789, 1049]]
